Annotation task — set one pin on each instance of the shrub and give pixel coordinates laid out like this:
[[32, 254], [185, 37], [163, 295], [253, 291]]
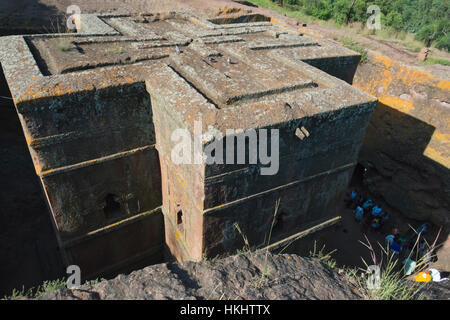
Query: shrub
[[394, 19]]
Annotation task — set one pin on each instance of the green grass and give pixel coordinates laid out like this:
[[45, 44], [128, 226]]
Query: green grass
[[212, 260], [323, 256], [246, 248], [116, 49], [63, 44], [431, 61], [33, 293], [394, 285], [46, 286], [95, 281], [262, 280]]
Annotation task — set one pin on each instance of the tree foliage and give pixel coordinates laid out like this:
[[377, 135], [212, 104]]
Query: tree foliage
[[429, 20]]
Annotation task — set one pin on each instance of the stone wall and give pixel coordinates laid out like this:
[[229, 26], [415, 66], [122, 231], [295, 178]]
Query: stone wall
[[407, 145]]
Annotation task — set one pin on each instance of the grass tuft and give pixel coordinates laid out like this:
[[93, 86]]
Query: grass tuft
[[115, 48], [393, 285], [323, 256], [432, 61], [33, 293], [63, 44], [355, 46]]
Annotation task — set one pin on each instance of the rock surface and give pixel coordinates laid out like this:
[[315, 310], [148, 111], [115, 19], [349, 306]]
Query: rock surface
[[245, 276]]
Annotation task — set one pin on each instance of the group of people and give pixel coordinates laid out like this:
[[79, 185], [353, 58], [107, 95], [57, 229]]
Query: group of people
[[373, 216], [366, 211], [416, 252], [412, 246]]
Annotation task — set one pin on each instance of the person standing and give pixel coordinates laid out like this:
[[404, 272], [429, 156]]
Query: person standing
[[359, 213]]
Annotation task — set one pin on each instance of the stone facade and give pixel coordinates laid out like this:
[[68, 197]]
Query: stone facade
[[98, 108]]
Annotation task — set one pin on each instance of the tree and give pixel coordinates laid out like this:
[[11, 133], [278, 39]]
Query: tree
[[394, 20], [342, 10], [323, 9]]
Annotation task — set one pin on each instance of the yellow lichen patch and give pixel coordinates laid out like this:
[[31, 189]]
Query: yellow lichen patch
[[442, 137], [437, 148], [181, 180], [60, 90], [197, 22], [31, 93], [37, 169], [34, 92], [178, 235], [368, 87], [47, 172], [409, 76], [437, 156], [385, 83], [444, 85], [384, 60], [272, 20]]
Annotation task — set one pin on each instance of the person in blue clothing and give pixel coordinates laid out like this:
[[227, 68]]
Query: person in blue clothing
[[359, 213], [389, 239], [352, 199], [423, 228], [396, 247], [376, 211], [368, 204]]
